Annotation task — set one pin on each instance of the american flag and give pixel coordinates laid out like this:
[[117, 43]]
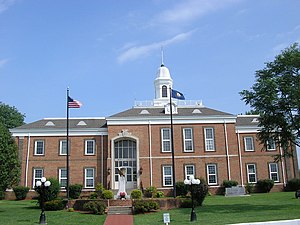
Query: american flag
[[72, 103]]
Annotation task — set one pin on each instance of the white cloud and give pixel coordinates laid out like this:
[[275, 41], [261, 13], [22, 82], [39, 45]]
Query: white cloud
[[134, 52], [5, 4], [3, 62], [189, 10]]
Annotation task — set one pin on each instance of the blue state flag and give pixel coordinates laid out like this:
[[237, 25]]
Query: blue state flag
[[177, 94]]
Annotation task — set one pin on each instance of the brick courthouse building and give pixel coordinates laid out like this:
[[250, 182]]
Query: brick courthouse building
[[208, 143]]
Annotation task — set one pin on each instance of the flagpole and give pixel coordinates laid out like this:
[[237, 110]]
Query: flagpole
[[68, 175], [172, 146]]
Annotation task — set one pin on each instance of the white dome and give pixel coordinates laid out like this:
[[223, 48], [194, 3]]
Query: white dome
[[163, 72]]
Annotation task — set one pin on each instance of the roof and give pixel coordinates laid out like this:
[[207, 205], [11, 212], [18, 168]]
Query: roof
[[160, 112], [61, 123], [247, 120]]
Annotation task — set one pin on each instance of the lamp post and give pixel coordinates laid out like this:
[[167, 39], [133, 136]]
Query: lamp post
[[43, 185], [191, 181]]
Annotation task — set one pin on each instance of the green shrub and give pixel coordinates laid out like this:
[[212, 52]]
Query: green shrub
[[2, 195], [136, 194], [71, 210], [293, 185], [230, 183], [150, 192], [95, 207], [265, 185], [75, 191], [107, 194], [51, 192], [200, 191], [20, 192], [142, 206], [249, 188], [55, 205], [181, 189], [186, 203], [94, 195], [99, 189], [159, 194]]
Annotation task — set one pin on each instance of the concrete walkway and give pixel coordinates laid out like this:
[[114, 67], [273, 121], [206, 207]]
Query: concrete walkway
[[119, 220], [281, 222]]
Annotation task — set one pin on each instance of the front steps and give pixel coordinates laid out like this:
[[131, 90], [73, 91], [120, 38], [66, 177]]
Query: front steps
[[119, 207]]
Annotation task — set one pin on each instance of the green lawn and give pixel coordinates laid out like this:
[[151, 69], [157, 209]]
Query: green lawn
[[216, 210], [27, 212], [221, 210]]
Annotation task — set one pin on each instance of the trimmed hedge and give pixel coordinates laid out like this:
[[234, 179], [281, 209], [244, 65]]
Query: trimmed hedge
[[107, 194], [75, 191], [265, 185], [20, 192], [229, 183], [181, 188], [142, 206], [95, 207], [293, 185], [159, 194], [150, 192], [136, 194], [55, 205]]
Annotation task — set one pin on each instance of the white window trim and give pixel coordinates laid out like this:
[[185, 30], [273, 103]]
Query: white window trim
[[186, 139], [271, 149], [35, 147], [34, 178], [212, 174], [255, 173], [85, 147], [60, 147], [245, 144], [86, 178], [185, 170], [207, 139], [164, 176], [163, 140], [61, 178], [277, 172]]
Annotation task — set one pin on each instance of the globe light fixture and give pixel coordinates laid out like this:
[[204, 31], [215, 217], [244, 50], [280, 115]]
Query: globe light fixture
[[192, 182], [43, 184]]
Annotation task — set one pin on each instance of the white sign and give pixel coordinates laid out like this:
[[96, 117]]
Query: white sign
[[166, 218]]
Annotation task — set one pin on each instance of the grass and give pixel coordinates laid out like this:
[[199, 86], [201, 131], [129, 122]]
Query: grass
[[215, 210], [222, 210], [27, 213]]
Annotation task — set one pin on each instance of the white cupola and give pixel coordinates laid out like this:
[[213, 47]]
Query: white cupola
[[162, 84]]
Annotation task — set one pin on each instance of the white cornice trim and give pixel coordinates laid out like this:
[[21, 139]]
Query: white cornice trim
[[189, 156], [247, 129]]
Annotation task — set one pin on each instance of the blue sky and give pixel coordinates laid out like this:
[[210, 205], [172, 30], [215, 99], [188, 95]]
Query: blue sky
[[108, 52]]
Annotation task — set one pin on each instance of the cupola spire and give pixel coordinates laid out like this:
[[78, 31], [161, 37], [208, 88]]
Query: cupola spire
[[162, 56]]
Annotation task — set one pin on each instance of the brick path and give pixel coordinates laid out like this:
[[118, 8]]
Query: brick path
[[119, 220]]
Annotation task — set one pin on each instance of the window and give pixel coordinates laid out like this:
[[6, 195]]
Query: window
[[164, 91], [167, 176], [212, 174], [248, 142], [273, 170], [166, 139], [188, 139], [39, 147], [251, 173], [209, 139], [63, 147], [38, 173], [189, 170], [90, 147], [62, 176], [89, 180], [271, 145]]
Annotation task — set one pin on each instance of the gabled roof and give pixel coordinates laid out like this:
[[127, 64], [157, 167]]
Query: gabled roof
[[160, 112], [61, 123]]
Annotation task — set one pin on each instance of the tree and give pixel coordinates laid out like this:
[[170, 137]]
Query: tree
[[276, 97], [9, 161], [10, 117]]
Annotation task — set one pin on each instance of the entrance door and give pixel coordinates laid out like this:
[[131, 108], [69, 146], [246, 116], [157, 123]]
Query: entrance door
[[125, 157]]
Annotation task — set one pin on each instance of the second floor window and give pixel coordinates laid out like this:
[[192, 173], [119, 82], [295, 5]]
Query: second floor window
[[166, 139], [39, 147], [63, 147], [249, 144], [188, 139], [271, 145], [209, 139], [90, 147]]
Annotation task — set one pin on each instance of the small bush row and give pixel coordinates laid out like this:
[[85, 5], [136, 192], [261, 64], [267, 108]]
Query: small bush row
[[95, 207], [142, 206]]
